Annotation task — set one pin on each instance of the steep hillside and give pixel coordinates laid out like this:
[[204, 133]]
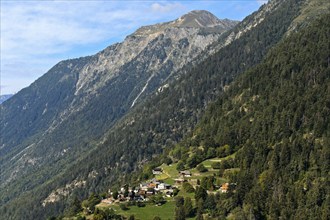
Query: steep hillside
[[176, 108], [76, 101], [5, 97], [173, 112], [265, 141], [157, 121], [276, 116]]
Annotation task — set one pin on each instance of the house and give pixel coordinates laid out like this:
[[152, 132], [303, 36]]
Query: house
[[136, 190], [167, 186], [107, 201], [180, 180], [169, 194], [162, 186], [224, 188], [185, 173], [157, 171], [142, 192], [143, 186], [150, 192], [138, 197]]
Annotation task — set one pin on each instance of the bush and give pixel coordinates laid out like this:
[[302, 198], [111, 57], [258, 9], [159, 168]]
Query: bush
[[201, 168], [180, 166], [179, 200], [188, 187], [140, 204], [123, 206], [216, 165], [167, 160], [175, 192]]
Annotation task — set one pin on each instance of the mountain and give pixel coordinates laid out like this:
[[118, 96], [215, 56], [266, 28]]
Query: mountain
[[121, 75], [66, 111], [274, 119], [93, 139], [114, 80], [5, 97]]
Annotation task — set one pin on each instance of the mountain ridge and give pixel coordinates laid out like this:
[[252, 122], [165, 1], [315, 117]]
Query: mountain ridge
[[172, 112], [194, 19], [56, 119], [5, 97]]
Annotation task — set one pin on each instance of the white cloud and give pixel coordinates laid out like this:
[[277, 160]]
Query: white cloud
[[261, 2], [35, 34], [166, 7]]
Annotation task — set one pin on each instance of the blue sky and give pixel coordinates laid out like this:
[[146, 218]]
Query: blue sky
[[35, 35]]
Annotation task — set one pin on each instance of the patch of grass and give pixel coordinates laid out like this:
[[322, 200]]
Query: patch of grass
[[185, 194], [207, 163], [148, 212], [162, 176], [170, 170], [169, 181]]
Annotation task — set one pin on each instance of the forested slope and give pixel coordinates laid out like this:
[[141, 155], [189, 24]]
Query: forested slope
[[276, 117], [164, 120]]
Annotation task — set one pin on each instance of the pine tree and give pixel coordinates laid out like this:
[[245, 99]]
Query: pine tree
[[188, 207]]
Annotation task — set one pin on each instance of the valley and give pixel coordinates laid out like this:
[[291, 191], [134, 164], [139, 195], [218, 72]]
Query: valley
[[194, 118]]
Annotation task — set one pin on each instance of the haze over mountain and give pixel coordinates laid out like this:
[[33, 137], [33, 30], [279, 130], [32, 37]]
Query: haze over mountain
[[90, 122], [5, 97]]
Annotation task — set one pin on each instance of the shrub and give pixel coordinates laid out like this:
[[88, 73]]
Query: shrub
[[188, 187], [216, 165], [201, 168], [123, 206], [140, 204]]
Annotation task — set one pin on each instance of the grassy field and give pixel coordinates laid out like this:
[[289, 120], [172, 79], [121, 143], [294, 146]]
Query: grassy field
[[148, 212], [170, 173], [170, 170]]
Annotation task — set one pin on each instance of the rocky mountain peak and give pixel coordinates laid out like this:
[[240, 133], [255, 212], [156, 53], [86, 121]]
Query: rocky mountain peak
[[199, 19]]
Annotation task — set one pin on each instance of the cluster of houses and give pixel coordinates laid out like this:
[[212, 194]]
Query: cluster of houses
[[152, 187], [143, 191], [182, 175]]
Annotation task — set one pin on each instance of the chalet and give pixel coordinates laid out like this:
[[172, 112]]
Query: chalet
[[150, 192], [138, 197], [107, 201], [151, 185], [224, 188], [185, 173], [169, 194], [180, 180], [143, 186], [142, 192], [136, 190], [162, 186], [157, 171]]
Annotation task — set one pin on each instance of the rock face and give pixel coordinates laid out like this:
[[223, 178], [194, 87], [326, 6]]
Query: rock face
[[153, 52], [79, 99]]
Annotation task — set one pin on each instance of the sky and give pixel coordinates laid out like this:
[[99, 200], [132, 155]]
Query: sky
[[37, 34]]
